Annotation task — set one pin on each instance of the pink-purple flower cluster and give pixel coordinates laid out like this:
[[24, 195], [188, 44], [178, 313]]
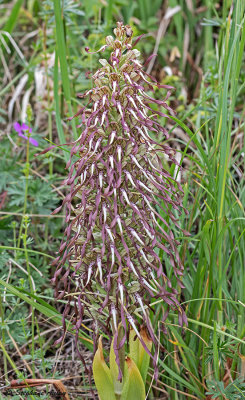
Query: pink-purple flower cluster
[[24, 128], [119, 202]]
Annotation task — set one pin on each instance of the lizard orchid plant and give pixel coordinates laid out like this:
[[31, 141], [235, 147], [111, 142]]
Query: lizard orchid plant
[[119, 202]]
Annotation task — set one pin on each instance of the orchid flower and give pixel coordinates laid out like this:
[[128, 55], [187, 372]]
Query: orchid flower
[[120, 199]]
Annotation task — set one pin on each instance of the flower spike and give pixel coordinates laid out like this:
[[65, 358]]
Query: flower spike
[[120, 194]]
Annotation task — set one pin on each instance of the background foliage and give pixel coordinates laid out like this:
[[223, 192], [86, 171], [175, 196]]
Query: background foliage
[[200, 47]]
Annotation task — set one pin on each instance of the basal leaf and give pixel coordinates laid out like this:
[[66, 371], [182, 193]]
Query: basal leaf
[[133, 387], [102, 376]]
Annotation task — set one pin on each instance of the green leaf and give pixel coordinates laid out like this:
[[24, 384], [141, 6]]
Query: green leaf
[[144, 357], [133, 347], [137, 352], [133, 387], [113, 364], [57, 107], [115, 371], [13, 18], [102, 375], [61, 51]]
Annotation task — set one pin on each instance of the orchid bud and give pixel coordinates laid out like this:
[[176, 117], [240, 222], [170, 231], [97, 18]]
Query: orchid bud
[[109, 40]]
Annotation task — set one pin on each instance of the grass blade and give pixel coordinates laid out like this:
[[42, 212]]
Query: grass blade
[[61, 51]]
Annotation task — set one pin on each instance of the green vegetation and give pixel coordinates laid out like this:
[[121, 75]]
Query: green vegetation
[[200, 47]]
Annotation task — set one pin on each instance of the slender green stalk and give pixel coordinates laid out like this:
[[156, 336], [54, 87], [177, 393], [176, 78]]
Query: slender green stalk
[[11, 362], [24, 225], [57, 107], [32, 289], [41, 342], [109, 15], [5, 365], [49, 107], [13, 18], [61, 51], [27, 173], [26, 250]]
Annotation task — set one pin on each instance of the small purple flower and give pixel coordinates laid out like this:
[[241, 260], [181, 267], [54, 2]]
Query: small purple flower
[[22, 128]]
